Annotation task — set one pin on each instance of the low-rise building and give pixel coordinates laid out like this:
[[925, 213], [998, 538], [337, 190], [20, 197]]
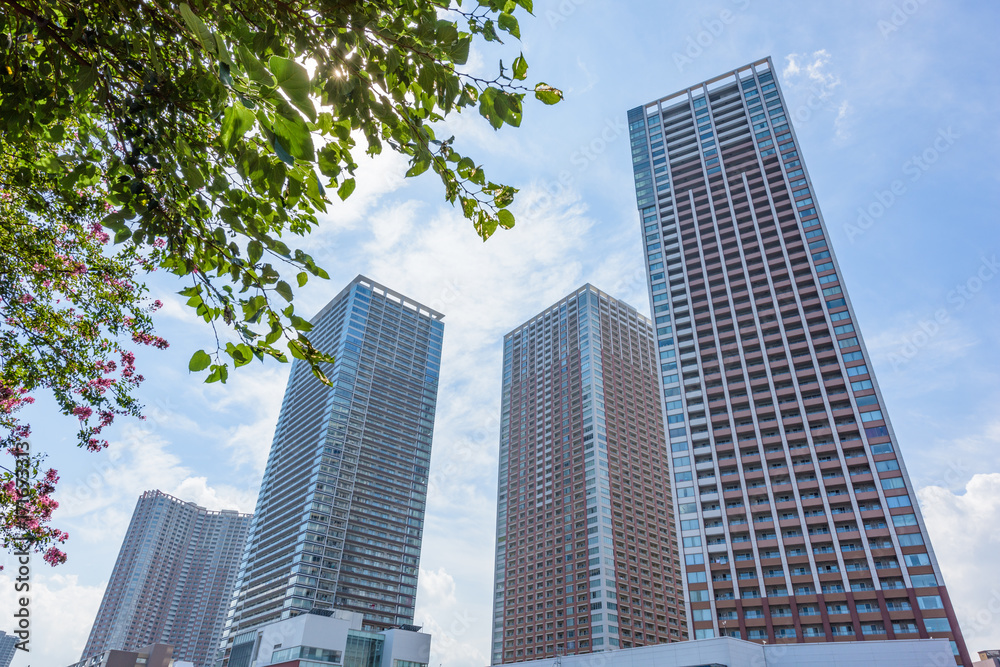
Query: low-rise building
[[988, 659], [730, 652], [333, 637], [154, 655]]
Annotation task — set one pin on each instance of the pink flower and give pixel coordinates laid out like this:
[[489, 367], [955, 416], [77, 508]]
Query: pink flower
[[97, 231], [83, 412], [148, 339], [95, 445], [54, 557]]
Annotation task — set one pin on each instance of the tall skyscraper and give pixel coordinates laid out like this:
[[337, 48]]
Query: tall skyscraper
[[173, 580], [586, 558], [340, 513], [798, 519], [8, 646]]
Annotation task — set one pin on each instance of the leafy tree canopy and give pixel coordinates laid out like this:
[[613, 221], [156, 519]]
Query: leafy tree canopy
[[197, 137]]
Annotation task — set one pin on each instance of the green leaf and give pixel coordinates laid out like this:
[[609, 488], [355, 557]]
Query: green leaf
[[293, 132], [85, 80], [420, 165], [460, 50], [297, 349], [492, 106], [276, 178], [254, 67], [236, 120], [198, 27], [303, 278], [219, 372], [547, 94], [508, 23], [284, 289], [293, 79], [199, 361], [280, 151], [506, 218], [51, 164], [55, 133], [87, 175], [241, 354], [520, 68], [192, 175], [346, 188], [254, 251]]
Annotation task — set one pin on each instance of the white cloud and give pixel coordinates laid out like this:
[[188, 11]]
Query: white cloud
[[437, 587], [255, 397], [96, 506], [812, 67], [375, 177], [840, 123], [922, 343], [175, 309], [964, 532], [61, 614], [450, 624], [812, 88]]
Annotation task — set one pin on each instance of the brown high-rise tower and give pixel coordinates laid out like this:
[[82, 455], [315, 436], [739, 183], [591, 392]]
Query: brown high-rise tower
[[586, 557], [798, 520]]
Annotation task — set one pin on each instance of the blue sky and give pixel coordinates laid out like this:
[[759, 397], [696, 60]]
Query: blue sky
[[881, 92]]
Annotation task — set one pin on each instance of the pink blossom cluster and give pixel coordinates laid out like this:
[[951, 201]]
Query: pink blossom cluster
[[100, 385], [49, 481], [54, 556], [83, 412], [9, 491], [95, 445], [97, 232], [12, 399], [149, 339]]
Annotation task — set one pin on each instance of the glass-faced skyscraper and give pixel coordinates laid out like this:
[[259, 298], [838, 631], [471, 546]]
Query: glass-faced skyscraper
[[172, 581], [8, 647], [586, 558], [341, 506], [798, 520]]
